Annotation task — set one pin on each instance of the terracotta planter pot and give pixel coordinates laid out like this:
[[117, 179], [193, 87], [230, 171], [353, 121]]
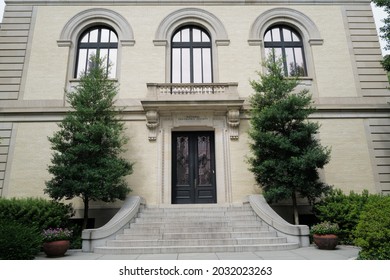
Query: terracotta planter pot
[[326, 241], [56, 248]]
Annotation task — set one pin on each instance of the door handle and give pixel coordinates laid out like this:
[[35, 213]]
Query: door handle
[[195, 181]]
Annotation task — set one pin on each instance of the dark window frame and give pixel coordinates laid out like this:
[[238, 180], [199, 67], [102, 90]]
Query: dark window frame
[[283, 45], [99, 45], [191, 45]]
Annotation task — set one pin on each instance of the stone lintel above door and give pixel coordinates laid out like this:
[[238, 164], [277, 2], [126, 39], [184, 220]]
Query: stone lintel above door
[[193, 105]]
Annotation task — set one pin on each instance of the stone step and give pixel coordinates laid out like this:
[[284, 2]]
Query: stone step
[[158, 230], [204, 228], [200, 208], [193, 249], [196, 242], [197, 218], [195, 214], [189, 236], [198, 223]]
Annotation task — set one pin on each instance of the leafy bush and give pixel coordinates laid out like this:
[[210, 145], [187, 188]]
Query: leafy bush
[[342, 209], [39, 213], [18, 242], [373, 230], [35, 212]]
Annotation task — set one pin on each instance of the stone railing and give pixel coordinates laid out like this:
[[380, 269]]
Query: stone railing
[[97, 237], [293, 233], [193, 91]]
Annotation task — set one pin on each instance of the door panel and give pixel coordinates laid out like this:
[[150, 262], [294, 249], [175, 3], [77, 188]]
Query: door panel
[[193, 167]]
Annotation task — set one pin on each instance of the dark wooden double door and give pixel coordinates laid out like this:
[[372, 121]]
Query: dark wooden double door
[[193, 167]]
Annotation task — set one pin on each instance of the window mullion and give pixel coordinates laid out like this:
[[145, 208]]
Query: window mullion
[[191, 56]]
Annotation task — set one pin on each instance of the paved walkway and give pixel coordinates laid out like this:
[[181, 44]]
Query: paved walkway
[[307, 253]]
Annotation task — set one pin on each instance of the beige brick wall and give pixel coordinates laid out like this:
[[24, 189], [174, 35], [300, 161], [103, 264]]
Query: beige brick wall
[[350, 165], [243, 182], [30, 160], [145, 62]]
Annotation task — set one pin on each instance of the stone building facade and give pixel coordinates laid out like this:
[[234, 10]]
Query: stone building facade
[[184, 69]]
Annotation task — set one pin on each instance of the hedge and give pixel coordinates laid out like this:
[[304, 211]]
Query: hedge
[[373, 230], [36, 212]]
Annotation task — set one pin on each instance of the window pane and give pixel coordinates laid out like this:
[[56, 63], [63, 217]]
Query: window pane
[[298, 56], [113, 37], [267, 37], [103, 54], [82, 62], [113, 59], [278, 53], [287, 35], [113, 62], [185, 66], [299, 62], [176, 66], [267, 52], [295, 37], [275, 35], [91, 52], [290, 62], [205, 37], [93, 36], [197, 56], [85, 38], [196, 35], [176, 38], [105, 36], [207, 72], [185, 35]]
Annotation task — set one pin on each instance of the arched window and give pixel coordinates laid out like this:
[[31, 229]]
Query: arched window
[[287, 44], [191, 60], [97, 40]]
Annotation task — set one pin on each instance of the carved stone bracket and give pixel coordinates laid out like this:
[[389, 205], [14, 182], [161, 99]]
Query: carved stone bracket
[[233, 121], [152, 122]]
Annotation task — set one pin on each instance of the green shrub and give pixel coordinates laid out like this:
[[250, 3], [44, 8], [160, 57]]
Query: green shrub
[[76, 241], [343, 210], [18, 242], [373, 230], [35, 212]]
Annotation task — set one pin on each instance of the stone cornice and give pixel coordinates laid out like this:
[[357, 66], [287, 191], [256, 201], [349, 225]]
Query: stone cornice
[[134, 109], [182, 3]]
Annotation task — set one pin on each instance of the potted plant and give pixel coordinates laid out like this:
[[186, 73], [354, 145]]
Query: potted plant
[[325, 235], [56, 241]]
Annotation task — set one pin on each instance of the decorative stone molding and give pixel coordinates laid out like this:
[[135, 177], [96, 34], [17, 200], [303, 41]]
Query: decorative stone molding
[[79, 22], [286, 16], [193, 105], [192, 91], [233, 121], [152, 122], [191, 16]]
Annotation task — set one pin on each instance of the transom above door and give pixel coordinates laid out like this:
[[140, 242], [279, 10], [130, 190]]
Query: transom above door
[[193, 167]]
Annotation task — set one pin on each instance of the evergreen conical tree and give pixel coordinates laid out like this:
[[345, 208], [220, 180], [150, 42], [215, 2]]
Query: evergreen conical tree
[[286, 155], [87, 160]]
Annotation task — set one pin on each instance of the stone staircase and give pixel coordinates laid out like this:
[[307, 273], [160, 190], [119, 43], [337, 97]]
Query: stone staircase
[[195, 229]]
